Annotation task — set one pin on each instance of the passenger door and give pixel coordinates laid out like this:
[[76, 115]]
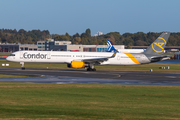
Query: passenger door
[[48, 55], [21, 55]]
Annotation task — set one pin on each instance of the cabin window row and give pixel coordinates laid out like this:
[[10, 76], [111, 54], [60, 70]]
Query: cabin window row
[[61, 55]]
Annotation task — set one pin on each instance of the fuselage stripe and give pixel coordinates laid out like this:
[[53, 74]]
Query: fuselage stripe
[[132, 58]]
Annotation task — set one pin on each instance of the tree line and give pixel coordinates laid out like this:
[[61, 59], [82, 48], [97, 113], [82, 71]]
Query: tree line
[[22, 36], [129, 39]]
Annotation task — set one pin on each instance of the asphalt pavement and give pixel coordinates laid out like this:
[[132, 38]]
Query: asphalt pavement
[[73, 76]]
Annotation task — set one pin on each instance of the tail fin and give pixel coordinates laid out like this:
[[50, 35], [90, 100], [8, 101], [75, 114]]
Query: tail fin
[[110, 46], [157, 47]]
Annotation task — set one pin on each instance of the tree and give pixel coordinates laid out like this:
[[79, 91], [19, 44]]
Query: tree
[[84, 35], [22, 31], [76, 40], [1, 34], [88, 32], [3, 39], [61, 38], [140, 43], [76, 35], [68, 36], [128, 41]]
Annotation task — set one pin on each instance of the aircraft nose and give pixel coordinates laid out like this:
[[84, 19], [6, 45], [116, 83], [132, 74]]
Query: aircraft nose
[[8, 58]]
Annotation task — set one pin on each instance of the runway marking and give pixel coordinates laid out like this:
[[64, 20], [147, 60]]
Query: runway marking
[[171, 76]]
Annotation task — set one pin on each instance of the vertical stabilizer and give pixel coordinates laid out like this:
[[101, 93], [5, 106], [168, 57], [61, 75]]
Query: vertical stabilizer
[[110, 46], [157, 47]]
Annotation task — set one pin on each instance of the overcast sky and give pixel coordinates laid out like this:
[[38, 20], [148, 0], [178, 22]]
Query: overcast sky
[[75, 16]]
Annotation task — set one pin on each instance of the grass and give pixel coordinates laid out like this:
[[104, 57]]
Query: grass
[[127, 102], [4, 53], [12, 76]]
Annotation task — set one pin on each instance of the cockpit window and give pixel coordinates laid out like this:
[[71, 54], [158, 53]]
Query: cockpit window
[[12, 55]]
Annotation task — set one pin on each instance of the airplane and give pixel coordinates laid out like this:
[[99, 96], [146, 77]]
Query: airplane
[[88, 59], [112, 49]]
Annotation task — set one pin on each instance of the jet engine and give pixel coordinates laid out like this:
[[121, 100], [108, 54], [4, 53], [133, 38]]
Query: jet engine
[[76, 64]]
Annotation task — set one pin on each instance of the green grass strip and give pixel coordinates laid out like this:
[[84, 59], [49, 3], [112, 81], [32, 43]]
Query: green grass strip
[[128, 102], [12, 76]]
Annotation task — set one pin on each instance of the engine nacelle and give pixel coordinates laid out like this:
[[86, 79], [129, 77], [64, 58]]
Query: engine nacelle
[[76, 64]]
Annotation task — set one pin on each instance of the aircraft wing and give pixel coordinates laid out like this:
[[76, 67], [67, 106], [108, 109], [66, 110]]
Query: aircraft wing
[[98, 60]]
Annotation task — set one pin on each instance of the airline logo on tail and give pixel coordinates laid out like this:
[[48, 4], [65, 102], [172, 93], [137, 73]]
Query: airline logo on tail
[[110, 46], [159, 45]]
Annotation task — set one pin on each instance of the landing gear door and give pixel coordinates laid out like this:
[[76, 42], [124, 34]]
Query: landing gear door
[[21, 55], [48, 55]]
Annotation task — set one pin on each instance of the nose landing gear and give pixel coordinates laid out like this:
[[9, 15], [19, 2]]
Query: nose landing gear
[[22, 67]]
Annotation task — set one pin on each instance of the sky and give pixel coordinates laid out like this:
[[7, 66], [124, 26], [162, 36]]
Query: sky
[[75, 16]]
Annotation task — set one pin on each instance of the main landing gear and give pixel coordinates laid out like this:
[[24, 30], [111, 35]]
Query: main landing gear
[[91, 68]]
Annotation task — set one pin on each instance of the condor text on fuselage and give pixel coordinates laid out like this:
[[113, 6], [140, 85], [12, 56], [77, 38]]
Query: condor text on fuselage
[[27, 55]]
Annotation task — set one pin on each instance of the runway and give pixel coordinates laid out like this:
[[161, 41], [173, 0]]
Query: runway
[[72, 76]]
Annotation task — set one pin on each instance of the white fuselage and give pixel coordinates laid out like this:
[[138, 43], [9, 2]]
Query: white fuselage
[[68, 57], [131, 50]]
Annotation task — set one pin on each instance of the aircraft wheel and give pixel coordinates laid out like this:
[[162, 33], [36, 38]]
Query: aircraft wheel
[[94, 69], [23, 68], [90, 69]]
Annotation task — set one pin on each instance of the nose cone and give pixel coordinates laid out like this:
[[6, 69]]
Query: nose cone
[[8, 58]]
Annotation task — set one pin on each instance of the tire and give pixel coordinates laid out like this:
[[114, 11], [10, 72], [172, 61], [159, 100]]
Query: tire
[[23, 68]]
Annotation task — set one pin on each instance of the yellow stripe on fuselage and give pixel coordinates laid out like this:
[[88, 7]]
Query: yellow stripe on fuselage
[[132, 58]]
